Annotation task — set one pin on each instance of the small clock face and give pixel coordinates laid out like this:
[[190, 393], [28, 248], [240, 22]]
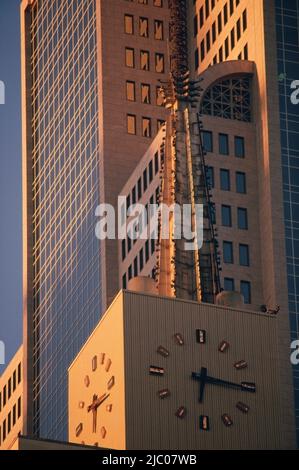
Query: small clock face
[[94, 412], [203, 378]]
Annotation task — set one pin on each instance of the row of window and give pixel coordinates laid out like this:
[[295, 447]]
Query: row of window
[[223, 144], [10, 421], [204, 13], [139, 261], [142, 224], [225, 180], [11, 386], [146, 125], [226, 217], [145, 93], [144, 64], [228, 253], [156, 3], [245, 288], [143, 27]]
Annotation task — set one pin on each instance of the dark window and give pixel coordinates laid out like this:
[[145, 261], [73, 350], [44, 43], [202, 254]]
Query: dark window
[[244, 255], [226, 215], [245, 288], [241, 182], [207, 138], [223, 144], [242, 218], [224, 180], [123, 249], [239, 147], [195, 23], [229, 284], [210, 176], [228, 255]]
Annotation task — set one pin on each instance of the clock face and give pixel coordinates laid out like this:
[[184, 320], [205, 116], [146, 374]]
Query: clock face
[[94, 411], [205, 377]]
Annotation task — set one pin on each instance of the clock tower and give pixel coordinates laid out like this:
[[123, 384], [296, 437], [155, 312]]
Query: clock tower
[[164, 373]]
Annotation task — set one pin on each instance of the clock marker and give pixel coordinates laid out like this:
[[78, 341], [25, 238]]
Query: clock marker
[[163, 351], [179, 339], [164, 393], [201, 336], [155, 370], [240, 365], [227, 421], [181, 412], [242, 407], [204, 423], [223, 346], [111, 383]]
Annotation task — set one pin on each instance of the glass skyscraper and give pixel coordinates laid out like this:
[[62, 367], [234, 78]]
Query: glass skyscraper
[[63, 159], [287, 29]]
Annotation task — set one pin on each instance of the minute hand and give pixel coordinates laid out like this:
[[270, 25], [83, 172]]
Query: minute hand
[[244, 386]]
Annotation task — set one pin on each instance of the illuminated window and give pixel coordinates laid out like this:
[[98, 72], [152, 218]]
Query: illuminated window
[[129, 24], [131, 124], [159, 96], [146, 127], [145, 93], [129, 57], [159, 63], [143, 27], [130, 91], [144, 60], [158, 30]]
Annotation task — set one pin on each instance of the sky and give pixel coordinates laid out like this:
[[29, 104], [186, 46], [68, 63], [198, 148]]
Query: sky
[[10, 181]]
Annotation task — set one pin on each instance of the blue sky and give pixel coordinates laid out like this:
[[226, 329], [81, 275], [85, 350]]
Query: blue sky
[[10, 181]]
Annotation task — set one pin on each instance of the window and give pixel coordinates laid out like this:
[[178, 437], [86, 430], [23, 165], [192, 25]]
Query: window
[[226, 215], [214, 32], [143, 27], [242, 218], [207, 139], [239, 147], [244, 255], [202, 50], [129, 24], [224, 180], [195, 25], [219, 20], [158, 28], [229, 284], [196, 58], [123, 249], [131, 124], [146, 127], [159, 63], [145, 93], [130, 91], [245, 288], [141, 259], [144, 60], [210, 176], [124, 281], [130, 62], [201, 17], [159, 96], [223, 144], [241, 182], [228, 255]]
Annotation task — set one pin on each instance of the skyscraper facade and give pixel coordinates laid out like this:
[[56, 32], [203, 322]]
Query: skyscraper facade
[[265, 33], [90, 106]]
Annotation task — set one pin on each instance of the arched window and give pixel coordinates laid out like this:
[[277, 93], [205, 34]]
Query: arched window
[[229, 99]]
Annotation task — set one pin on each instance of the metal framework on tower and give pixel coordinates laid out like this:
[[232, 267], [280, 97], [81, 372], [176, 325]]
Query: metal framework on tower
[[194, 274]]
